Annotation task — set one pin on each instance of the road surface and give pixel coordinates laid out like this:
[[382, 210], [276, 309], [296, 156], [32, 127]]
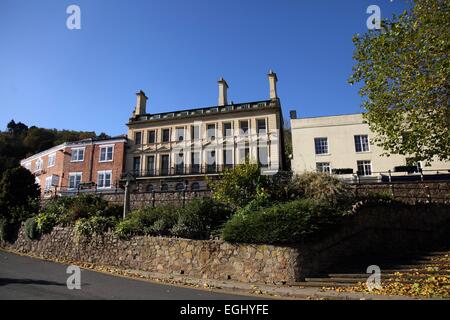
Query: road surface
[[28, 278]]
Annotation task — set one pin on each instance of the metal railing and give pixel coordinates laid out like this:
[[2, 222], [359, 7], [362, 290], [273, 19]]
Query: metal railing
[[181, 170], [391, 176]]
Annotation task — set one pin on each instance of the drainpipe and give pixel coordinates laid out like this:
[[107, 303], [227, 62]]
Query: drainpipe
[[91, 161]]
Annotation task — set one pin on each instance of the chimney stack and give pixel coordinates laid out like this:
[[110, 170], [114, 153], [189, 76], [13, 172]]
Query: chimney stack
[[223, 87], [141, 103], [293, 114], [273, 84]]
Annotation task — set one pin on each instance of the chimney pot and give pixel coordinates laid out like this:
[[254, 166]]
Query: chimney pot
[[293, 114], [273, 84], [141, 103], [223, 88]]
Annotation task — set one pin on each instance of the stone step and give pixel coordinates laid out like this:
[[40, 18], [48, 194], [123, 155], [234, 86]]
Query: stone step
[[319, 284], [336, 279]]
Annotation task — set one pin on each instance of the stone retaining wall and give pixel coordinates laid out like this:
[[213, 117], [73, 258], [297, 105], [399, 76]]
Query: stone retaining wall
[[387, 230], [201, 259]]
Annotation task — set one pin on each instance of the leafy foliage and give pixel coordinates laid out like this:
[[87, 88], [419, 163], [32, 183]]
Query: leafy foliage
[[94, 225], [8, 230], [318, 186], [288, 222], [199, 218], [148, 221], [19, 195], [405, 69], [45, 222], [238, 186], [31, 229], [70, 209]]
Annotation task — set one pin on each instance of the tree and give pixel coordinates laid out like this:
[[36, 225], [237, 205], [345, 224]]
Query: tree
[[18, 195], [18, 200], [404, 67], [238, 186]]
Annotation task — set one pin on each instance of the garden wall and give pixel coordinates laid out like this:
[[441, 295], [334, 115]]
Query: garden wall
[[408, 192], [389, 230], [210, 259]]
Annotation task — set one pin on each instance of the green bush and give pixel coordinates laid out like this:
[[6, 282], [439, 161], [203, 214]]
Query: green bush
[[288, 222], [319, 186], [45, 222], [69, 209], [94, 225], [19, 195], [8, 230], [148, 221], [240, 185], [199, 218], [128, 228], [31, 229], [261, 201]]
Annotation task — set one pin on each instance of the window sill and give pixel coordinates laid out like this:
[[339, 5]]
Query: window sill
[[323, 154], [103, 161], [76, 160]]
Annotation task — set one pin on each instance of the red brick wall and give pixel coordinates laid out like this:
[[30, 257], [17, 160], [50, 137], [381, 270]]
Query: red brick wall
[[91, 165]]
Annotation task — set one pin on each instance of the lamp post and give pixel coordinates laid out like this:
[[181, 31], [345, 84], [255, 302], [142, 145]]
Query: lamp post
[[126, 197]]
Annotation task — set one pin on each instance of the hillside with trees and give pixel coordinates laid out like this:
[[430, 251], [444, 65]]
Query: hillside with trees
[[20, 141]]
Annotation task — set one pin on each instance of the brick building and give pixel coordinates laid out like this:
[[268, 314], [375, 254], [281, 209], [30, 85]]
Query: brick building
[[74, 166]]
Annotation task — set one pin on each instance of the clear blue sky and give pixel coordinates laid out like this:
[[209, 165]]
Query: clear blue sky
[[175, 51]]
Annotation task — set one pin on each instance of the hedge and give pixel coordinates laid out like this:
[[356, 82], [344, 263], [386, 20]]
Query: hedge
[[288, 222]]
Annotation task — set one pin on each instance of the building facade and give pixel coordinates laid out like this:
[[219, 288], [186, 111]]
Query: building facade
[[82, 165], [177, 150], [343, 145]]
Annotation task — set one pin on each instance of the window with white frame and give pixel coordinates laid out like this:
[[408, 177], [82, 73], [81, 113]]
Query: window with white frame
[[321, 145], [77, 154], [323, 167], [75, 179], [179, 133], [38, 164], [106, 153], [104, 179], [51, 160], [48, 183], [211, 131], [362, 143], [364, 167]]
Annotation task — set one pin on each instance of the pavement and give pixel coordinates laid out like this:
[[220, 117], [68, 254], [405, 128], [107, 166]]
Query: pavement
[[23, 277]]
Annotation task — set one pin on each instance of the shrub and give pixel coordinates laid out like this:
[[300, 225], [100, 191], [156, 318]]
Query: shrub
[[45, 222], [31, 229], [128, 228], [19, 195], [289, 222], [69, 209], [148, 221], [94, 225], [87, 205], [8, 230], [261, 201], [319, 186], [240, 185], [199, 218]]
